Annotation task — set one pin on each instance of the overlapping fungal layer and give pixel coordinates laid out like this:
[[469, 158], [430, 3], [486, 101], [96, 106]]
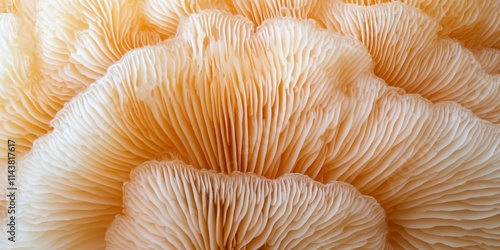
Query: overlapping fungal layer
[[408, 53], [25, 10], [446, 193], [289, 98], [475, 23], [172, 205], [164, 16], [489, 58], [258, 11], [20, 110], [407, 40], [79, 40], [74, 44], [144, 109], [15, 70], [76, 41]]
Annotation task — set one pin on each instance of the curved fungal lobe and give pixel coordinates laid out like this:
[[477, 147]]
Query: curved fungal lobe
[[172, 205], [285, 97]]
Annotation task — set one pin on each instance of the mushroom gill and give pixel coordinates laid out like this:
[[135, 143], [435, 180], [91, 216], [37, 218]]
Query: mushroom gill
[[488, 58], [172, 205], [406, 40], [47, 61], [409, 53], [164, 16], [475, 23], [286, 97], [74, 43], [20, 109]]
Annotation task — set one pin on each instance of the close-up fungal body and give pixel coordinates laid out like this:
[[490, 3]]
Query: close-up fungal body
[[250, 124]]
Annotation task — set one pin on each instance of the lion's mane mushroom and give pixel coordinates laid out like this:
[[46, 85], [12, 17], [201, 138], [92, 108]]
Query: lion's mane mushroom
[[172, 205], [287, 98]]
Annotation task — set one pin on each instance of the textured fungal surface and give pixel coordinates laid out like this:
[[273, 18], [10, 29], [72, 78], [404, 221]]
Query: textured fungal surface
[[196, 209], [217, 124]]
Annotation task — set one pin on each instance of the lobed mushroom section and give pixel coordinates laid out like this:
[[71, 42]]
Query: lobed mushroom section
[[172, 205], [475, 23], [46, 63], [21, 111], [489, 59], [251, 99], [409, 54], [73, 43], [284, 97]]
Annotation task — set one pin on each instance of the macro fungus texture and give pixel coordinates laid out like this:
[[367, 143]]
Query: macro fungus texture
[[218, 124], [47, 62], [409, 54], [196, 209], [489, 59]]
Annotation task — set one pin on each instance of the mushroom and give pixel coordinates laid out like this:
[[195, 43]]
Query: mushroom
[[258, 11], [65, 62], [438, 83], [172, 205], [409, 54], [18, 114], [80, 39], [287, 98], [488, 58], [475, 23], [164, 16], [74, 44]]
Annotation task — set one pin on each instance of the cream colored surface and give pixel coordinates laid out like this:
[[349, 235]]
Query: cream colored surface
[[92, 89]]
